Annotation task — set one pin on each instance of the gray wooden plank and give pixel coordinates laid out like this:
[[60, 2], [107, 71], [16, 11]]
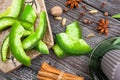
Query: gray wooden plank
[[73, 15], [9, 76], [26, 73], [112, 6]]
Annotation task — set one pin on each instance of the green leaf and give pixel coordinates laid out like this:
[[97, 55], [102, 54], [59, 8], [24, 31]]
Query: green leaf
[[105, 46], [116, 15], [117, 41]]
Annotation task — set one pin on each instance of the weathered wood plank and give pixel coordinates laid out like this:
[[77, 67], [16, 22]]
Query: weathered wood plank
[[112, 6], [4, 76], [73, 15]]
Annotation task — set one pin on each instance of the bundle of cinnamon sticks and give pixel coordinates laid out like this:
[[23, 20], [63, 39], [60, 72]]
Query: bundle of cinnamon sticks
[[48, 72]]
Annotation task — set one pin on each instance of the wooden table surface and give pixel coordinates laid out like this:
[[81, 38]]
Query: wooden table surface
[[76, 65]]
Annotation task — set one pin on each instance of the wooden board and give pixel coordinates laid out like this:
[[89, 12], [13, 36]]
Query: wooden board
[[48, 38]]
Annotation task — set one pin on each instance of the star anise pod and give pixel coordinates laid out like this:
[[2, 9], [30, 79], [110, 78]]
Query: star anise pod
[[73, 3], [103, 26]]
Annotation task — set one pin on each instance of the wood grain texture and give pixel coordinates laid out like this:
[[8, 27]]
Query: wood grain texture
[[112, 6], [75, 65]]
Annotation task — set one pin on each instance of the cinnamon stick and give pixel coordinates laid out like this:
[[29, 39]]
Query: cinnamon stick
[[50, 72], [48, 68], [48, 75], [43, 78]]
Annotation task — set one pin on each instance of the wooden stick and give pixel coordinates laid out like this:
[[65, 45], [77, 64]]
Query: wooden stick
[[55, 77], [50, 72], [46, 67], [43, 78], [48, 75]]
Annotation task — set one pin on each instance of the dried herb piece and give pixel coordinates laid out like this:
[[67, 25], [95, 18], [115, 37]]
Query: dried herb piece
[[103, 26], [73, 3]]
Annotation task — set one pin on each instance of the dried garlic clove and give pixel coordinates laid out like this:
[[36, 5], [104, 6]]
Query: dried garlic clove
[[64, 21], [93, 11], [90, 35], [58, 18]]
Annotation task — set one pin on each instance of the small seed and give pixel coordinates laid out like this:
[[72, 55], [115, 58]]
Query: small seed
[[90, 22], [93, 11], [106, 14], [65, 9], [58, 18], [85, 21], [103, 4], [64, 21], [82, 13], [90, 35], [85, 7]]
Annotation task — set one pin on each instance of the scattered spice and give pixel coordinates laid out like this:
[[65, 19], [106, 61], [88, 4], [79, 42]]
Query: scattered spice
[[90, 22], [65, 9], [73, 3], [58, 18], [103, 26], [103, 4], [56, 11], [85, 7], [106, 14], [64, 21], [90, 35], [87, 21], [81, 15], [48, 72], [93, 11]]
